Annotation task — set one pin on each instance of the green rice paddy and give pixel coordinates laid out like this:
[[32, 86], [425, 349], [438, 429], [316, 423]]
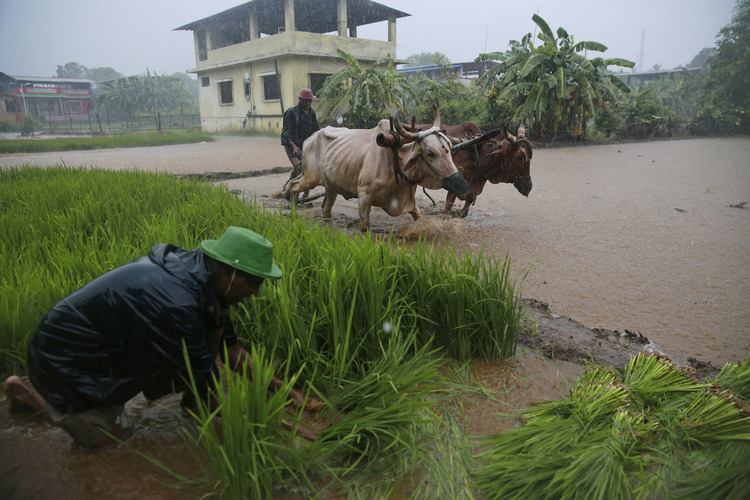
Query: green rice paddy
[[14, 146]]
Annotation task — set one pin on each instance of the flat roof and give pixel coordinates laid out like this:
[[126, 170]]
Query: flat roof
[[313, 16], [44, 79]]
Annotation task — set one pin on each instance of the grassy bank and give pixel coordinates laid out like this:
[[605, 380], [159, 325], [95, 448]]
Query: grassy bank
[[10, 146]]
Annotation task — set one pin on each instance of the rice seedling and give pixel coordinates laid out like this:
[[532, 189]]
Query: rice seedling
[[360, 322], [666, 435], [735, 378], [249, 451], [447, 461]]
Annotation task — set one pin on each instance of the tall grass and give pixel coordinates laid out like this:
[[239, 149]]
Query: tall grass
[[9, 146], [360, 322]]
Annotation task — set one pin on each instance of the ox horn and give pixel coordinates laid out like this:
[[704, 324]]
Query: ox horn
[[436, 123], [522, 128], [510, 138], [400, 128], [480, 138]]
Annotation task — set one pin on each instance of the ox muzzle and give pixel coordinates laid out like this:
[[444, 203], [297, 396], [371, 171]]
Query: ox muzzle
[[523, 184], [457, 185]]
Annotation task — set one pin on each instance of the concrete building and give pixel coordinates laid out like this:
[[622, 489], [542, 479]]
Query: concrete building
[[252, 60], [48, 99], [465, 72], [642, 79]]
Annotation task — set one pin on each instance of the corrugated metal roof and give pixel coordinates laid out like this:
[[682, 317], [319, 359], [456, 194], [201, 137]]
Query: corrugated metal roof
[[44, 79]]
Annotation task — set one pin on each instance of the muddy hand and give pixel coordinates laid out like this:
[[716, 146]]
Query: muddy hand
[[311, 403], [302, 430]]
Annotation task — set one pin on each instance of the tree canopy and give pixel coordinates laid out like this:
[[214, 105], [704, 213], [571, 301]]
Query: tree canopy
[[725, 106], [428, 58], [551, 85], [129, 96], [363, 96], [75, 70]]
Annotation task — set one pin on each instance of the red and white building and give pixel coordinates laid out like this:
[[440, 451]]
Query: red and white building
[[52, 99]]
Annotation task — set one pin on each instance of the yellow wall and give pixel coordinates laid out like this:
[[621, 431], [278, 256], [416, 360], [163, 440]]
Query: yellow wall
[[297, 54]]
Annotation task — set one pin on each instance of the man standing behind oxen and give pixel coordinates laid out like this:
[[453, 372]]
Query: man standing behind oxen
[[300, 122]]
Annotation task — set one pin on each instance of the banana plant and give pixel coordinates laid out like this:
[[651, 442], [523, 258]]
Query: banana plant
[[553, 84], [363, 95]]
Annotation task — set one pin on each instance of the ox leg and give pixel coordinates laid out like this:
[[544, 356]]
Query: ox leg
[[296, 186], [449, 201], [328, 201], [364, 216], [416, 213], [465, 210]]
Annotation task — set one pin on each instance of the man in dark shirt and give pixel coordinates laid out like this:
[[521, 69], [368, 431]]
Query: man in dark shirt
[[300, 122], [123, 333]]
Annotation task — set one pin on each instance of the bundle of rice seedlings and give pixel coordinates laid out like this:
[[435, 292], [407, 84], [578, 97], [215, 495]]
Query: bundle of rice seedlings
[[653, 432], [735, 378]]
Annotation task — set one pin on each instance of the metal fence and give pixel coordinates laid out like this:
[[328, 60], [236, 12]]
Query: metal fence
[[100, 123]]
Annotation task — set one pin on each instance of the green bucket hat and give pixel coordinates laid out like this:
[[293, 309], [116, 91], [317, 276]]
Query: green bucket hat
[[245, 250]]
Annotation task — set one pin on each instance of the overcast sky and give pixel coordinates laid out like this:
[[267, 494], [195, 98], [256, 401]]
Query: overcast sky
[[132, 35]]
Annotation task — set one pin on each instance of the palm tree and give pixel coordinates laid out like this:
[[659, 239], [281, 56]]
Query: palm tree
[[363, 96], [144, 93], [119, 100], [554, 87]]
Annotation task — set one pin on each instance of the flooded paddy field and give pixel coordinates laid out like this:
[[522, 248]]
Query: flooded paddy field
[[650, 237]]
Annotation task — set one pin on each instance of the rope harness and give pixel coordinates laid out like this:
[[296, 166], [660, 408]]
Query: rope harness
[[398, 172], [504, 163]]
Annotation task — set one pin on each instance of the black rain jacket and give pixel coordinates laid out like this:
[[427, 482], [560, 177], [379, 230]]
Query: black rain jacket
[[123, 333], [298, 126]]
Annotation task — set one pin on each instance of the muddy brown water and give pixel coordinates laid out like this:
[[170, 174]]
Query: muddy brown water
[[649, 237]]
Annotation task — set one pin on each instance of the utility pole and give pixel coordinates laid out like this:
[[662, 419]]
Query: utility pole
[[640, 56]]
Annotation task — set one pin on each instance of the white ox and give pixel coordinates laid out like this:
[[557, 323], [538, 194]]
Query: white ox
[[350, 163]]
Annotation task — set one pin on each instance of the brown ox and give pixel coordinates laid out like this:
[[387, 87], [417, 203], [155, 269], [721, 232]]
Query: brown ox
[[495, 161], [350, 163]]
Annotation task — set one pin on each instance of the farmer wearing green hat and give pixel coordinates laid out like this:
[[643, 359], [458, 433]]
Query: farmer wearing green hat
[[124, 332]]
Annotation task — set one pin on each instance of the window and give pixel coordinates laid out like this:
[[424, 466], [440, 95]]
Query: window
[[202, 47], [225, 92], [205, 81], [271, 88], [233, 33], [316, 82], [11, 106], [73, 107]]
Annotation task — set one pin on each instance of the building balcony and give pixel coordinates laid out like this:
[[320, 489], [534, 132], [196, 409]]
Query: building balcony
[[296, 44]]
